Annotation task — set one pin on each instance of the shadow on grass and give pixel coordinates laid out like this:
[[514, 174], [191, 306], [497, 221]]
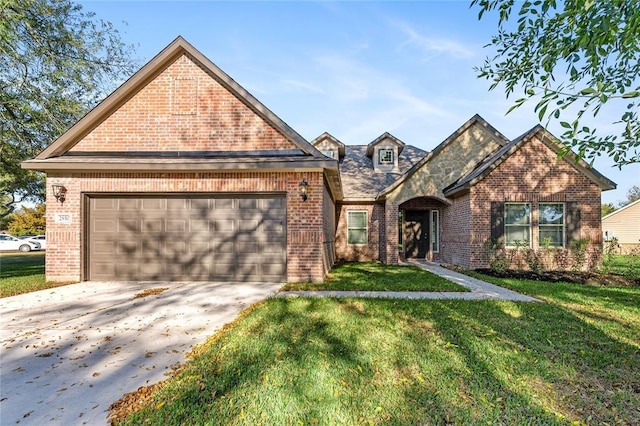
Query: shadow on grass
[[325, 361], [13, 265]]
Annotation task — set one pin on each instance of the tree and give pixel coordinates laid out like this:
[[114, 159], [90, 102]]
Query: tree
[[633, 194], [595, 44], [607, 208], [57, 61], [29, 221]]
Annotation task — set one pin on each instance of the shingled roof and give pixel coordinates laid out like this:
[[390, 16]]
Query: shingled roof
[[360, 182]]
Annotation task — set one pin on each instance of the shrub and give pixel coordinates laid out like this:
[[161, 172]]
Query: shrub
[[579, 253]]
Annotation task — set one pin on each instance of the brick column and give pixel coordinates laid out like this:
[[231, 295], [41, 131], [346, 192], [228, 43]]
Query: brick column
[[390, 257]]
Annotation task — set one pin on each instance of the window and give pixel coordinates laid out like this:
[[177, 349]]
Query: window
[[328, 154], [357, 227], [385, 156], [517, 224], [435, 231], [551, 224]]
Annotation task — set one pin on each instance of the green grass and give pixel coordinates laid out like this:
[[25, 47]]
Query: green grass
[[398, 362], [628, 265], [23, 273], [368, 276]]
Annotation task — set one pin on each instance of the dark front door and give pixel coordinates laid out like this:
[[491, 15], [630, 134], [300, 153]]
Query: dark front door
[[416, 233]]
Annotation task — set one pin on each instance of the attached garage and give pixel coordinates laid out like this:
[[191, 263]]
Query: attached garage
[[210, 237]]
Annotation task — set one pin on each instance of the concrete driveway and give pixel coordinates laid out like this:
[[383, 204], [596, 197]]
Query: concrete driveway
[[68, 353]]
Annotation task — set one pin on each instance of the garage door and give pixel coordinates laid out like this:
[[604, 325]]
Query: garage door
[[187, 238]]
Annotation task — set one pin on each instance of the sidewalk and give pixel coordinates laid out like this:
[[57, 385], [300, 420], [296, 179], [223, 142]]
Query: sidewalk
[[480, 290]]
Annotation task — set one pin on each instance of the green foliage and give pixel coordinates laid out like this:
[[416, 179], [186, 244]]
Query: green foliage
[[623, 264], [29, 221], [579, 253], [496, 253], [607, 208], [595, 44], [533, 260], [57, 61]]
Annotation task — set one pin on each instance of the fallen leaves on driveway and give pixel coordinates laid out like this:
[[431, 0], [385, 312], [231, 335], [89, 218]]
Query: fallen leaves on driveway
[[150, 292]]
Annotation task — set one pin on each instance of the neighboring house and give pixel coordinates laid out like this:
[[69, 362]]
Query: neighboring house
[[181, 174], [624, 225]]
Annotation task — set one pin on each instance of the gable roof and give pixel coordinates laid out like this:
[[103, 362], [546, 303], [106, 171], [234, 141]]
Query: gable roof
[[146, 74], [326, 136], [488, 164], [621, 209], [476, 119], [388, 136]]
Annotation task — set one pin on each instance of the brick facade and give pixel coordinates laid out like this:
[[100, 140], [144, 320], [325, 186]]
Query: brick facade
[[352, 252], [309, 248], [532, 174], [183, 109]]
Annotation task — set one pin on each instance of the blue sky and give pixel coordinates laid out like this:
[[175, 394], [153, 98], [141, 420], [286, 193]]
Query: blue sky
[[354, 69]]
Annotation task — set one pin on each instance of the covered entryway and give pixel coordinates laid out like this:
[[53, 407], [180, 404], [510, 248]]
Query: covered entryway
[[186, 237], [420, 227]]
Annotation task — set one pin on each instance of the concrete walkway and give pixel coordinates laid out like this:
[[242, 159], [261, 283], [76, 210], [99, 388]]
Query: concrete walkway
[[480, 290], [68, 353]]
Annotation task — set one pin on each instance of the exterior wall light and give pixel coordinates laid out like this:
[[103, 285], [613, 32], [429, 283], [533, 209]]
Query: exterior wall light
[[303, 189], [59, 191]]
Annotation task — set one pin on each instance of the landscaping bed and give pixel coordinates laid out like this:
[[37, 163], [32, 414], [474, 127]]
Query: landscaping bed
[[576, 277]]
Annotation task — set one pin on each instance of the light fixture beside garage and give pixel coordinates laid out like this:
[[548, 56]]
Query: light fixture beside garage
[[59, 191], [303, 189]]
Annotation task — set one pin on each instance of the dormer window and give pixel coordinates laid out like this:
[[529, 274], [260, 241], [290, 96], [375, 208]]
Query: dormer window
[[329, 154], [385, 156]]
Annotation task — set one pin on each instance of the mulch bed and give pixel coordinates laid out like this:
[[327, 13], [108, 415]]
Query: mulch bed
[[588, 278]]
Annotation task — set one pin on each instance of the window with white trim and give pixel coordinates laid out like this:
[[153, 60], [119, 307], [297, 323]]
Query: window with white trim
[[435, 231], [329, 154], [385, 156], [357, 232], [551, 224], [517, 224]]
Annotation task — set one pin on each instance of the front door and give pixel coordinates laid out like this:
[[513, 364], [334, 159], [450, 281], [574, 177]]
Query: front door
[[416, 233]]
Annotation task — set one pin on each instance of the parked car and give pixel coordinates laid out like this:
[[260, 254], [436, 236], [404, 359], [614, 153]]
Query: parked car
[[40, 239], [10, 243]]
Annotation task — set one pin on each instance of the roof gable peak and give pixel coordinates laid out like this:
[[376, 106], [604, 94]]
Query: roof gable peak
[[176, 49]]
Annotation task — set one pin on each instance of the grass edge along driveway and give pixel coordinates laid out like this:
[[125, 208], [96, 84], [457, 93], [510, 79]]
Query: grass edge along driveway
[[358, 361]]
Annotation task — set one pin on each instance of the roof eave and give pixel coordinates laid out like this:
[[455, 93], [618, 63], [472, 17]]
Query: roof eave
[[149, 165]]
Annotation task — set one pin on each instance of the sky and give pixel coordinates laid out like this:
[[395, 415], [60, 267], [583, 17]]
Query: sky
[[355, 69]]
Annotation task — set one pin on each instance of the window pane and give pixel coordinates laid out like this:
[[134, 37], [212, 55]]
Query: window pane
[[517, 214], [357, 220], [514, 233], [551, 214], [386, 155], [357, 236], [554, 233]]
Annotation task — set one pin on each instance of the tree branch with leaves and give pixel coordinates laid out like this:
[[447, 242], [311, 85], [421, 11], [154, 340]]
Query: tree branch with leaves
[[57, 62], [574, 59]]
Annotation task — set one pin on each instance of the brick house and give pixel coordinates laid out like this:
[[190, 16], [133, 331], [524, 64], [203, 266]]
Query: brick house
[[181, 174]]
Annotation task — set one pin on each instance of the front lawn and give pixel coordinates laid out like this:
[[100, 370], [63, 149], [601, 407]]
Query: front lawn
[[357, 361], [369, 276], [627, 265], [21, 273]]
